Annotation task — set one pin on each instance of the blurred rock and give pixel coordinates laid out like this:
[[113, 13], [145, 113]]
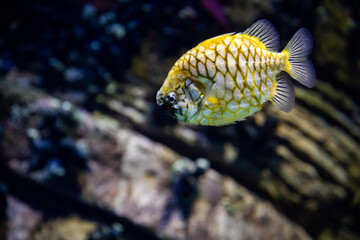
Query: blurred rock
[[70, 228], [22, 220], [139, 189], [112, 232], [108, 60], [335, 31], [3, 210]]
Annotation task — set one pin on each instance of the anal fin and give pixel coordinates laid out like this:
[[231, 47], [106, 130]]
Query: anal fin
[[284, 98]]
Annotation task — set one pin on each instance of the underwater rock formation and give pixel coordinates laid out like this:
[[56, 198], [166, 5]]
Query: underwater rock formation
[[131, 175], [276, 175]]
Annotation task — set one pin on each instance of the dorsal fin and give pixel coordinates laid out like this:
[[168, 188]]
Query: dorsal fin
[[266, 33]]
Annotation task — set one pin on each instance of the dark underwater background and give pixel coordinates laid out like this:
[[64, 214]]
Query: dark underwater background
[[85, 153]]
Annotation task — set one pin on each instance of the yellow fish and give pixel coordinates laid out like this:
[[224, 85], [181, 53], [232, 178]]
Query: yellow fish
[[229, 77]]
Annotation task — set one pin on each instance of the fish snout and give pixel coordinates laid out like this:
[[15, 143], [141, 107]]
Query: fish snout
[[165, 103]]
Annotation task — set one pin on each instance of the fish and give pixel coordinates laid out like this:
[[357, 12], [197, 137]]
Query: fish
[[229, 77]]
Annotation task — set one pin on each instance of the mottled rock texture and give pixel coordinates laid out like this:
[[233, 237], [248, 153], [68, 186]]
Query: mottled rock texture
[[274, 176]]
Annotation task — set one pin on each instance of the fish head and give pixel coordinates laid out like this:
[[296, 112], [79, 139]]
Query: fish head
[[181, 95]]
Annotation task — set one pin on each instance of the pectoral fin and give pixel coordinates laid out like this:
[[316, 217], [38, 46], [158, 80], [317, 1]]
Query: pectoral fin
[[212, 102], [217, 92]]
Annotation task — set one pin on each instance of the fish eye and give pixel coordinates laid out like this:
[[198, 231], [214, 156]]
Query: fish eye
[[171, 98]]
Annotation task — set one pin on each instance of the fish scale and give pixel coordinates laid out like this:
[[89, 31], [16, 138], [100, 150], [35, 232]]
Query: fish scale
[[250, 49], [230, 77]]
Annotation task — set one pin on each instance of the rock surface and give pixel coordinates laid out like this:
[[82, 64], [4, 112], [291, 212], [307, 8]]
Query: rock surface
[[106, 155], [130, 175]]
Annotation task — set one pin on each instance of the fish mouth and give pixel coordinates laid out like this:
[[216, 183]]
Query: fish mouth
[[167, 108]]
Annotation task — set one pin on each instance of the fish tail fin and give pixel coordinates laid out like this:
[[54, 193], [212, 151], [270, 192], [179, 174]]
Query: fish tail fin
[[284, 97], [298, 50]]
